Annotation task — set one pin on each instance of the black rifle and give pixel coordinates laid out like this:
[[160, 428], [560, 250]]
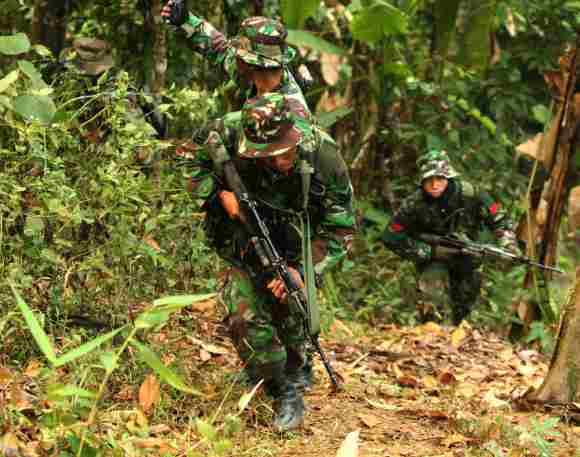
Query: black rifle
[[482, 250], [269, 257]]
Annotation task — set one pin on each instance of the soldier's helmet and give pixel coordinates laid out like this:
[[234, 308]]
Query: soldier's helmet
[[272, 125], [88, 56], [262, 43], [435, 163]]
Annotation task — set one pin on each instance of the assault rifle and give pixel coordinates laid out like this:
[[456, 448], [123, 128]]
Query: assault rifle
[[269, 257], [482, 250]]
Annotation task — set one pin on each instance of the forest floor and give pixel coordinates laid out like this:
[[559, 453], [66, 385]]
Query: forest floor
[[428, 390]]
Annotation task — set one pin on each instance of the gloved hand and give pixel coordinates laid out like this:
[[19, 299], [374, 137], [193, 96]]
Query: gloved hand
[[175, 12], [443, 252]]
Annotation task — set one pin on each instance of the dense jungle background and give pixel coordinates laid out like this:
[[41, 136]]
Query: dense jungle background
[[97, 229]]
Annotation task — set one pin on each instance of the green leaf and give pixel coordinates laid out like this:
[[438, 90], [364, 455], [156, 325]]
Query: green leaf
[[302, 38], [60, 391], [8, 80], [167, 375], [151, 318], [84, 349], [295, 12], [35, 328], [247, 397], [29, 70], [14, 44], [182, 300], [328, 119], [377, 21], [35, 108], [541, 114], [205, 429], [109, 361]]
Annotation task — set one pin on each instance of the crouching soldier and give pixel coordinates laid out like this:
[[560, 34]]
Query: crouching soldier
[[445, 205], [274, 152]]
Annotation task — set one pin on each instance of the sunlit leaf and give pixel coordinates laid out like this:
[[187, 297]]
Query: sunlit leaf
[[84, 349], [349, 447], [151, 318], [302, 38], [14, 44], [247, 397], [8, 80], [35, 328], [109, 361], [166, 374]]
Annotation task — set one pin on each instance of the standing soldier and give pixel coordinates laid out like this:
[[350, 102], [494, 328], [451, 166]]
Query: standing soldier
[[445, 205], [276, 141], [256, 61]]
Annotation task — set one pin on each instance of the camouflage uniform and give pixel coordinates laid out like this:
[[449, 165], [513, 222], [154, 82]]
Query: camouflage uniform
[[462, 210], [261, 43], [268, 337]]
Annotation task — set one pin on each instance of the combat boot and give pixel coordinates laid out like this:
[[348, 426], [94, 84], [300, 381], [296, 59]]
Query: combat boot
[[290, 408], [289, 401]]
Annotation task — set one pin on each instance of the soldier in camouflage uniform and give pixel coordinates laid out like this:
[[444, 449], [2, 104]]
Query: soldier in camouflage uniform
[[276, 135], [257, 60], [445, 205]]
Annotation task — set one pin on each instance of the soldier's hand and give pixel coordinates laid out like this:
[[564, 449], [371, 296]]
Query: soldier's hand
[[278, 288], [443, 252], [175, 12], [230, 204]]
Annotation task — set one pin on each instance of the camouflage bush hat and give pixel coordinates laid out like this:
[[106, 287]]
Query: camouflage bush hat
[[89, 56], [272, 125], [262, 42], [435, 163]]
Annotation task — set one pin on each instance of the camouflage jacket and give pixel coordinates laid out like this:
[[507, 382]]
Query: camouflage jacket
[[280, 199], [462, 210], [205, 39]]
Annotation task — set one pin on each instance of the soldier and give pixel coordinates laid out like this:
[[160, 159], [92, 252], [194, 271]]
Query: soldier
[[257, 61], [445, 205], [276, 135]]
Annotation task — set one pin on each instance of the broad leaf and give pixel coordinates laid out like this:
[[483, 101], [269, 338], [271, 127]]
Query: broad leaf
[[166, 374], [85, 348], [326, 120], [35, 328], [29, 70], [377, 21], [69, 391], [151, 318], [35, 108], [8, 80], [302, 38], [295, 12], [14, 44], [182, 300]]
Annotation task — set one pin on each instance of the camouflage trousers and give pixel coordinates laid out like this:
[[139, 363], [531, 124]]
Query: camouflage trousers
[[263, 331], [456, 280]]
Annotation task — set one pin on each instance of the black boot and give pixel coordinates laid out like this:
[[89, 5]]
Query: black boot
[[289, 401], [290, 411]]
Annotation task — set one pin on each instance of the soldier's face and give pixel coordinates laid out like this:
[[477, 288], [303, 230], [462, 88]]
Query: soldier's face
[[435, 186], [283, 163]]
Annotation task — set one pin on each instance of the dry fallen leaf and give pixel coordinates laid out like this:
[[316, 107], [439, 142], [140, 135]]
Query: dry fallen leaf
[[452, 440], [369, 420], [493, 402], [151, 243], [149, 393], [32, 369], [5, 376], [204, 355], [330, 68], [203, 306], [446, 378], [338, 324], [349, 447], [458, 336]]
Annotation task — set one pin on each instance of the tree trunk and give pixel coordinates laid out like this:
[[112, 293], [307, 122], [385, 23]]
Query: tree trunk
[[562, 381], [476, 45], [49, 24]]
